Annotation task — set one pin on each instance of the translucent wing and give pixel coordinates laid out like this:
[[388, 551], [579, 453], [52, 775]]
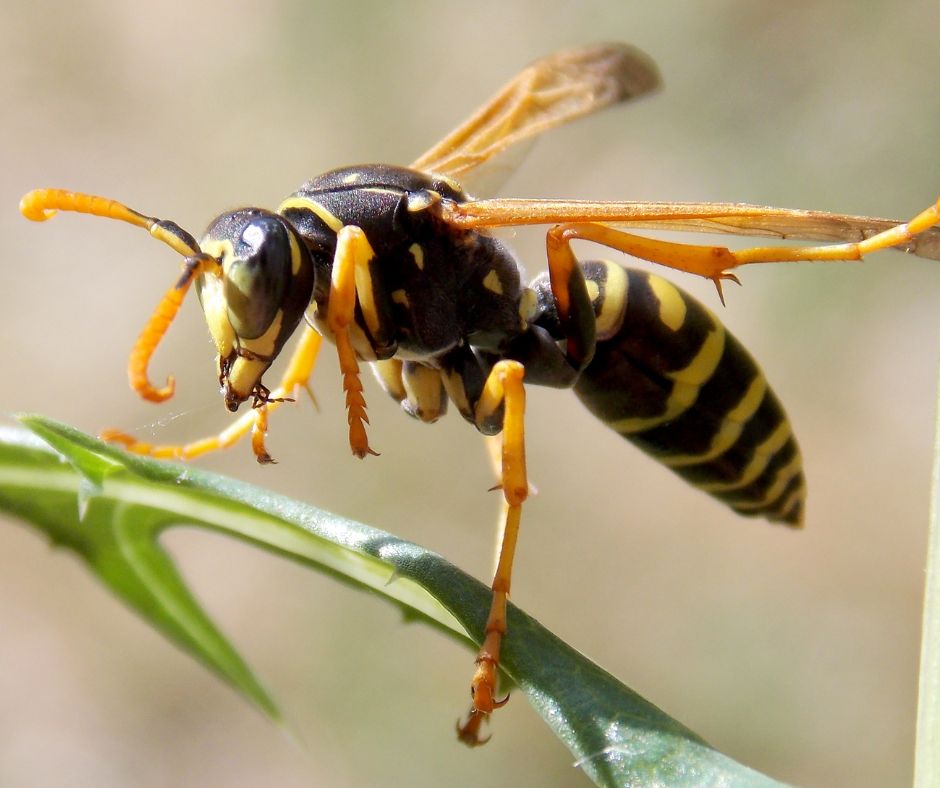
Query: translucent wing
[[548, 93], [725, 218]]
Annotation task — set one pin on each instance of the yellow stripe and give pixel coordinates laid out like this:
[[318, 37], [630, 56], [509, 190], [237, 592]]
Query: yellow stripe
[[784, 476], [750, 402], [798, 496], [614, 306], [762, 456], [672, 308], [295, 258], [730, 430], [687, 383], [306, 204], [705, 363]]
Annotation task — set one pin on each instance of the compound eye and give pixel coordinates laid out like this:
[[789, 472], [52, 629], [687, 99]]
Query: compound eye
[[257, 276]]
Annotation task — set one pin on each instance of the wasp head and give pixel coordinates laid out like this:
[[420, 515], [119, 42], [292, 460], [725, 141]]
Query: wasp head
[[258, 297]]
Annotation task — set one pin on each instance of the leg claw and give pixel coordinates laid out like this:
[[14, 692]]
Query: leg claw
[[469, 732], [717, 280]]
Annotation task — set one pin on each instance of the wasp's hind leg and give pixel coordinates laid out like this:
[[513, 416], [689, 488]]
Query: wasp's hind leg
[[716, 262], [566, 304], [503, 389]]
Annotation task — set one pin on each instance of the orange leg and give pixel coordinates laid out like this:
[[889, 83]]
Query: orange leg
[[503, 386], [716, 262], [295, 378], [351, 276]]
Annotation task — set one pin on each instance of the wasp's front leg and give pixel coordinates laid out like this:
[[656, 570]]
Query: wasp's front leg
[[296, 378], [351, 278]]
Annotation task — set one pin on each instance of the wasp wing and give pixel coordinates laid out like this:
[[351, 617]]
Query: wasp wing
[[548, 93], [724, 218]]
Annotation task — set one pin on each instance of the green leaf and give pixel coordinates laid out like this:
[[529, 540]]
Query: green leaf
[[110, 508]]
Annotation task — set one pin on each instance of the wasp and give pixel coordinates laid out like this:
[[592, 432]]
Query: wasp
[[397, 268]]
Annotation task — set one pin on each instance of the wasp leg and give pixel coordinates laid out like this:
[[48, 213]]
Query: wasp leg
[[295, 378], [716, 262], [503, 387], [711, 262], [572, 302], [350, 279], [894, 236]]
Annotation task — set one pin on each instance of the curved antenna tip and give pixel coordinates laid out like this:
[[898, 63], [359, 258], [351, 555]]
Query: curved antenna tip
[[33, 206]]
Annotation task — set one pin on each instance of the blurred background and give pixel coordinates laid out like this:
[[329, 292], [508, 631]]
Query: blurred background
[[795, 652]]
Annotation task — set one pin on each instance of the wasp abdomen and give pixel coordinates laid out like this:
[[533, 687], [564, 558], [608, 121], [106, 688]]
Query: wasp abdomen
[[669, 377]]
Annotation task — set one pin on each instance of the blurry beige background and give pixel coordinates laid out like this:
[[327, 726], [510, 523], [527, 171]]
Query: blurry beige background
[[794, 652]]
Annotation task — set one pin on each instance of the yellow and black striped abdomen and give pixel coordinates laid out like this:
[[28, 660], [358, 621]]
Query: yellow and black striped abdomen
[[670, 378]]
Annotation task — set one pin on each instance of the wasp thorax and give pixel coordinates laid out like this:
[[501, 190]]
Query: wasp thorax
[[258, 297]]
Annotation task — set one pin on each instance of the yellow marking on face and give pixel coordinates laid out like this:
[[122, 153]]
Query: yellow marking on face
[[245, 373], [215, 308], [295, 259], [306, 204], [213, 300], [687, 383], [614, 306], [266, 344], [492, 283], [352, 177], [418, 254], [762, 457], [672, 308], [401, 297], [731, 427]]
